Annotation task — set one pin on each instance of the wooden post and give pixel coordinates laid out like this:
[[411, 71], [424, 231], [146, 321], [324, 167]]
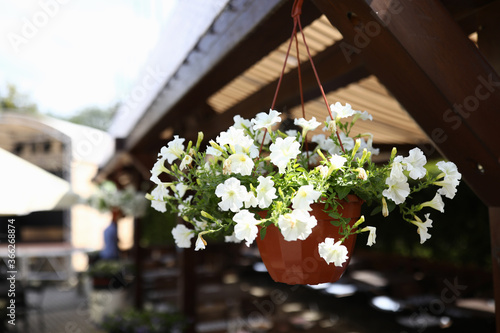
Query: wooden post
[[187, 286], [490, 48], [138, 259], [495, 258]]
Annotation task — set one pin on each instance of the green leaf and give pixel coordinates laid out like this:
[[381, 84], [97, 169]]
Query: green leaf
[[263, 232], [334, 214], [336, 223], [377, 210], [342, 192], [390, 205]]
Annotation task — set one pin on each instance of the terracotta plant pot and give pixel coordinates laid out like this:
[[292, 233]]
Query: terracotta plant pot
[[298, 262]]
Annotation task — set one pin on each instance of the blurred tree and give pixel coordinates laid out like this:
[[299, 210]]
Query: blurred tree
[[12, 100], [94, 117]]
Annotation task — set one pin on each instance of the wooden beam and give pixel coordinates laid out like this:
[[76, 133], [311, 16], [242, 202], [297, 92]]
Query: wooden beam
[[332, 77], [420, 54], [488, 44], [488, 34], [469, 15]]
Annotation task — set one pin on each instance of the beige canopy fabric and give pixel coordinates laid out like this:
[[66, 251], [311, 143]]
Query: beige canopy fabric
[[26, 188]]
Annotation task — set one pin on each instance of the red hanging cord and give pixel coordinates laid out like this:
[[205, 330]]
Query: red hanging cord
[[319, 82], [296, 11]]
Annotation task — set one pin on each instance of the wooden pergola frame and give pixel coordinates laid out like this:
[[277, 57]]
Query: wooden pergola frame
[[418, 49]]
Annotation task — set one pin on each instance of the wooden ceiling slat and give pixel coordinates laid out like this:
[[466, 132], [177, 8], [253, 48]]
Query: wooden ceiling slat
[[332, 76]]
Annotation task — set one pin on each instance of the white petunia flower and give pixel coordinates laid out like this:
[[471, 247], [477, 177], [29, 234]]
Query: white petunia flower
[[182, 236], [397, 191], [265, 192], [337, 161], [397, 169], [282, 151], [449, 169], [231, 239], [233, 137], [436, 203], [292, 132], [181, 189], [186, 161], [449, 187], [347, 142], [212, 151], [232, 195], [157, 170], [423, 227], [323, 170], [341, 111], [241, 163], [333, 252], [173, 150], [305, 196], [160, 192], [363, 115], [251, 200], [200, 243], [266, 120], [160, 206], [326, 144], [246, 226], [415, 163], [371, 236], [296, 225], [307, 125], [241, 123], [368, 144], [259, 136], [361, 173]]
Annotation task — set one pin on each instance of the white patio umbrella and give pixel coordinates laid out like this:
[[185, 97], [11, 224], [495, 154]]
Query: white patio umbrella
[[26, 188]]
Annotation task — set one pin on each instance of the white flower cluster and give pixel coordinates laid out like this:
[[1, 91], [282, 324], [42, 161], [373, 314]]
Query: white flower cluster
[[251, 168], [399, 189]]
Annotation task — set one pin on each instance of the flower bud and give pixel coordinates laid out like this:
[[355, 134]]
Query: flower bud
[[356, 147], [393, 153], [363, 157], [332, 126], [358, 222], [216, 146], [385, 210], [200, 139], [206, 215]]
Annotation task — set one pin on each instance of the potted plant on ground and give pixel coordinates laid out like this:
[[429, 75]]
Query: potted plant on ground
[[143, 321]]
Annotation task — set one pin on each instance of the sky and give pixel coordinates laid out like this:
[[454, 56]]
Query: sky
[[70, 54]]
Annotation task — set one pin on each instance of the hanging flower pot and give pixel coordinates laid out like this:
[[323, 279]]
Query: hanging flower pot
[[253, 166], [299, 261]]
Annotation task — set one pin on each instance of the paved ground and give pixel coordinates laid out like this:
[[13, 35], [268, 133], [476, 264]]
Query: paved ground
[[55, 309], [366, 300]]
